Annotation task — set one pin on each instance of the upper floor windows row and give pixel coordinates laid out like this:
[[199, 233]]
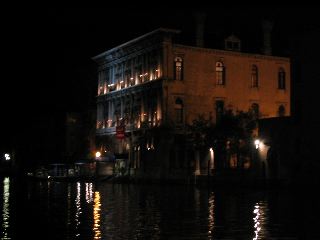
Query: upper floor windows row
[[220, 74]]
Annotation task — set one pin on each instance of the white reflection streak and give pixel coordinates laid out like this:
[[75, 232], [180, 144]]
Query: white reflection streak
[[256, 219], [96, 215], [89, 193], [69, 204], [78, 206], [211, 214], [5, 210]]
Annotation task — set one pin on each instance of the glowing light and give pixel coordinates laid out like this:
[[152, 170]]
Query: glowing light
[[7, 156], [211, 158], [257, 143], [98, 154], [96, 215]]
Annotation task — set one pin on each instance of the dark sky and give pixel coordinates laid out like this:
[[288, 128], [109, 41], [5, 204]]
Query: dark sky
[[47, 53]]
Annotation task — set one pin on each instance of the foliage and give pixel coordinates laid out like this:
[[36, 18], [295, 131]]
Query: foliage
[[232, 131]]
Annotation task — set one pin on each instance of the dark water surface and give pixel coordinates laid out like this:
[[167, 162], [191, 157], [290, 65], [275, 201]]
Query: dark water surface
[[85, 210]]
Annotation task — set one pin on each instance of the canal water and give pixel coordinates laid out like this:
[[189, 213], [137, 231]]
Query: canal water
[[87, 210]]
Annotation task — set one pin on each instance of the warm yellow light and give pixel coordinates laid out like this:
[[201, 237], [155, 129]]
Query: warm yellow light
[[98, 154], [257, 143], [96, 215], [211, 150]]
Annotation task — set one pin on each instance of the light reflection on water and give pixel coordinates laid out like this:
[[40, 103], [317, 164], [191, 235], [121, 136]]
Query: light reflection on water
[[85, 210], [211, 215], [96, 215], [5, 209], [260, 216]]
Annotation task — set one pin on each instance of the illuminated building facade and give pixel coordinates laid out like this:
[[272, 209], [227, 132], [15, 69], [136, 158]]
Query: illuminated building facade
[[151, 82]]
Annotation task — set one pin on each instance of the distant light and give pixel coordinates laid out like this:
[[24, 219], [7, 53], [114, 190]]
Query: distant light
[[98, 154], [211, 149], [7, 156], [257, 143]]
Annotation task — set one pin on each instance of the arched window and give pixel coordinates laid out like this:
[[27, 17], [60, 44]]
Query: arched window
[[281, 79], [281, 111], [220, 73], [178, 68], [178, 107], [254, 76], [255, 110]]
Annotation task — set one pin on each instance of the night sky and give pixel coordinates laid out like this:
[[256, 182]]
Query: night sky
[[47, 53]]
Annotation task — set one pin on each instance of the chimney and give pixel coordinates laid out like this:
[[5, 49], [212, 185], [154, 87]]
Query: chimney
[[267, 26], [200, 19]]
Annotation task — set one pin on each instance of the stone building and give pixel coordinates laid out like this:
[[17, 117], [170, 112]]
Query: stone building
[[151, 87]]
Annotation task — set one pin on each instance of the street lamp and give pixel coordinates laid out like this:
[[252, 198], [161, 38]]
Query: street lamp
[[211, 158], [98, 154], [257, 143]]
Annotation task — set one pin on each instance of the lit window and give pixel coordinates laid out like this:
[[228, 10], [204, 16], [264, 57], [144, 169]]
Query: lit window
[[281, 79], [178, 66], [254, 77], [220, 73]]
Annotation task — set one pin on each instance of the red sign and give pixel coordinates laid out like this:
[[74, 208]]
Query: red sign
[[120, 130]]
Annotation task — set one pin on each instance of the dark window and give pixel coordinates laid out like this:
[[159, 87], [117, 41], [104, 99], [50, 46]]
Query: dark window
[[236, 46], [281, 111], [255, 110], [254, 76], [179, 110], [219, 109], [229, 45], [281, 79]]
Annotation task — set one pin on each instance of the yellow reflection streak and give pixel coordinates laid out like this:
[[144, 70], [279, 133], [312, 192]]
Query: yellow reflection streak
[[96, 215], [5, 209]]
